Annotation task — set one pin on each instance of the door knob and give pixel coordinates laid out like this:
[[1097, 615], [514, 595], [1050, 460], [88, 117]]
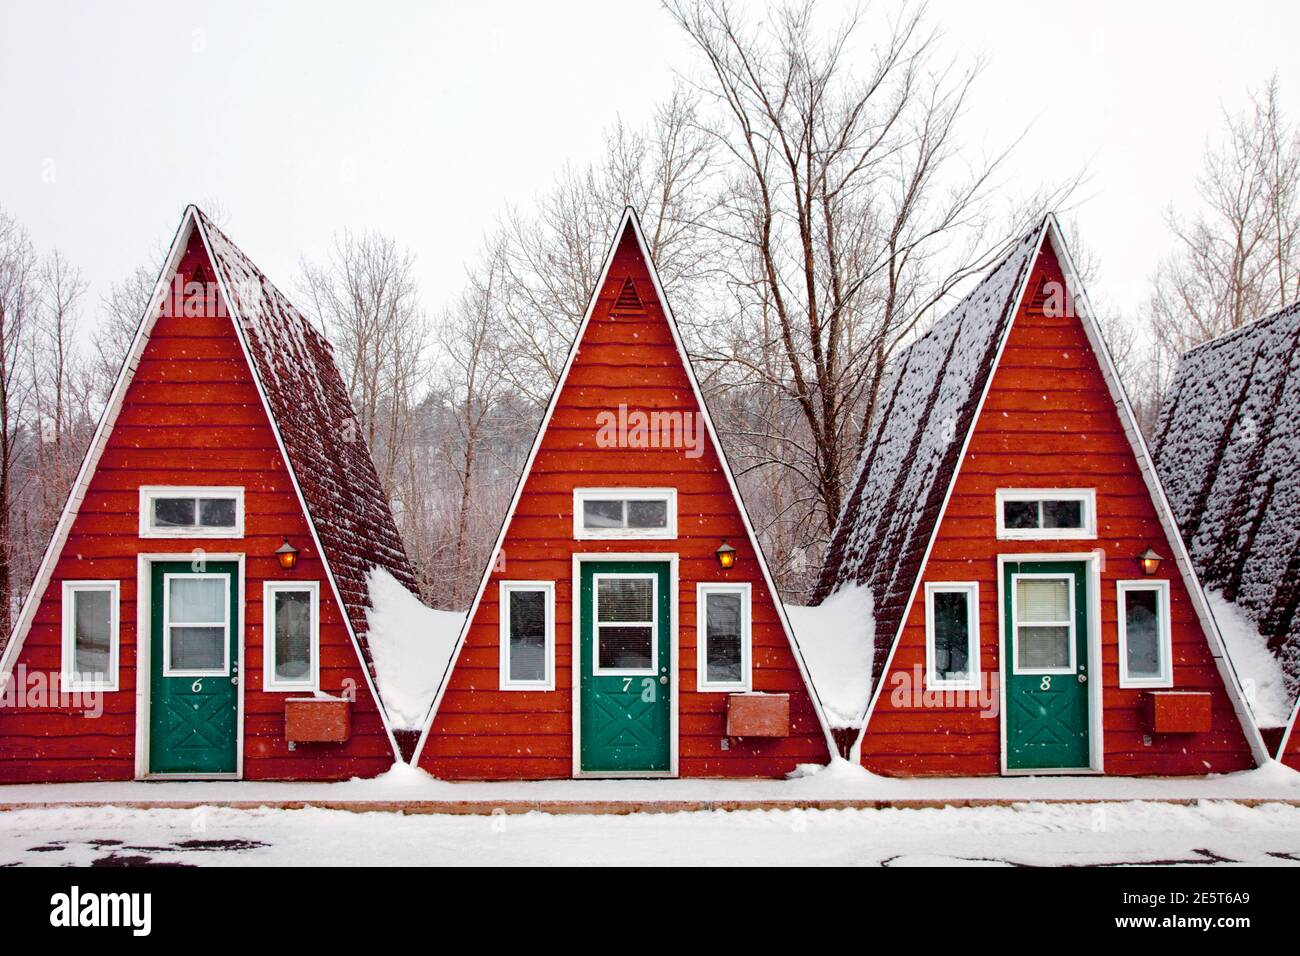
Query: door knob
[[663, 680]]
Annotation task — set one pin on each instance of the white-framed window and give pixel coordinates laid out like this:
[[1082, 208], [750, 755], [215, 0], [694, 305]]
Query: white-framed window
[[196, 625], [1145, 636], [191, 512], [624, 513], [952, 635], [527, 635], [291, 635], [723, 637], [1042, 613], [91, 635], [626, 624], [1039, 514]]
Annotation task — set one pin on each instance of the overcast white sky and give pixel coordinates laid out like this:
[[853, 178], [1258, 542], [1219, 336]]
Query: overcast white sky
[[426, 120]]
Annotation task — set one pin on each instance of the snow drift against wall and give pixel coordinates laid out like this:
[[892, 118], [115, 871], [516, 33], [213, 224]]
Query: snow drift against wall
[[411, 645], [838, 639], [1260, 672]]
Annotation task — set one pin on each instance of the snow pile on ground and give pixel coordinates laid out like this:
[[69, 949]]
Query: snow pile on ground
[[837, 639], [1260, 673], [411, 645], [1031, 834]]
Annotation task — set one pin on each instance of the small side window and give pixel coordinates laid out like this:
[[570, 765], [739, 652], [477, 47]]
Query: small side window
[[527, 635], [723, 637], [90, 635], [952, 642], [1145, 636], [291, 636]]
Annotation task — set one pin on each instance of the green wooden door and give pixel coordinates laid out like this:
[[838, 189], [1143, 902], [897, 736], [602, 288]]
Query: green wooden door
[[625, 684], [1045, 640], [194, 668]]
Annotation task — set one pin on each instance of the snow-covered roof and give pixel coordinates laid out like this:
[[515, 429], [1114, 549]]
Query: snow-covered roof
[[313, 413], [1226, 449], [928, 402]]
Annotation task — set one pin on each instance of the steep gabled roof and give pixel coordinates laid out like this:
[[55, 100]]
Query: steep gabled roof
[[629, 222], [309, 412], [927, 405], [1226, 448], [310, 408]]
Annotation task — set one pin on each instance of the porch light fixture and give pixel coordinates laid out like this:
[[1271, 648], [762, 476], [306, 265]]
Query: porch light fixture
[[726, 556], [1150, 561], [287, 555]]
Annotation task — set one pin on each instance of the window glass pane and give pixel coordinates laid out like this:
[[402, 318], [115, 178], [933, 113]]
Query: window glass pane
[[722, 633], [197, 601], [293, 637], [173, 512], [952, 634], [1062, 514], [626, 647], [1041, 600], [197, 648], [217, 512], [527, 635], [1020, 514], [647, 514], [92, 632], [1040, 647], [602, 514], [1142, 632], [625, 599]]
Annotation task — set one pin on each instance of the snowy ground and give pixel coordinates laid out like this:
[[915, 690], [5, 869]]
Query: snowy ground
[[1061, 834]]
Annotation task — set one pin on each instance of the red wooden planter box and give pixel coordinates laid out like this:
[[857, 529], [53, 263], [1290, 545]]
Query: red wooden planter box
[[1178, 712], [758, 715], [315, 720]]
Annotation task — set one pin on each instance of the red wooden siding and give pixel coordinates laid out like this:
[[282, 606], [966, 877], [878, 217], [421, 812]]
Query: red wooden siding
[[481, 732], [191, 416], [1049, 421], [1291, 754]]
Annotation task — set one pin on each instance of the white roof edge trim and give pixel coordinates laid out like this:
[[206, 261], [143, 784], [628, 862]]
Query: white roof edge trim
[[855, 753], [235, 319], [1146, 465], [90, 461], [1051, 230], [189, 223], [630, 219]]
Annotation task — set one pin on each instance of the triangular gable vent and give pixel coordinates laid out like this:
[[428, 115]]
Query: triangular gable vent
[[628, 300]]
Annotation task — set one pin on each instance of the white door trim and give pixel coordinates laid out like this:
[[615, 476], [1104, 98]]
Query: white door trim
[[1092, 561], [144, 650], [575, 665]]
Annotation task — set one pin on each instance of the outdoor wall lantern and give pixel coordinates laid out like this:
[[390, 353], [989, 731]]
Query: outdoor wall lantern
[[287, 555], [726, 556], [1150, 561]]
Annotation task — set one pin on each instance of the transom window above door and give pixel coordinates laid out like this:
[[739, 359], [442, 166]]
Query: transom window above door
[[185, 512], [626, 631], [1043, 514], [624, 513]]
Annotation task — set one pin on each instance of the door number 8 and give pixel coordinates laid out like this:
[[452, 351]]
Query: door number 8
[[1045, 683]]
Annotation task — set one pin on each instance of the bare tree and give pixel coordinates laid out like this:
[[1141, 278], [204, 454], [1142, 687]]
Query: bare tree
[[850, 211], [364, 296], [475, 373], [551, 255], [1237, 257], [17, 303]]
